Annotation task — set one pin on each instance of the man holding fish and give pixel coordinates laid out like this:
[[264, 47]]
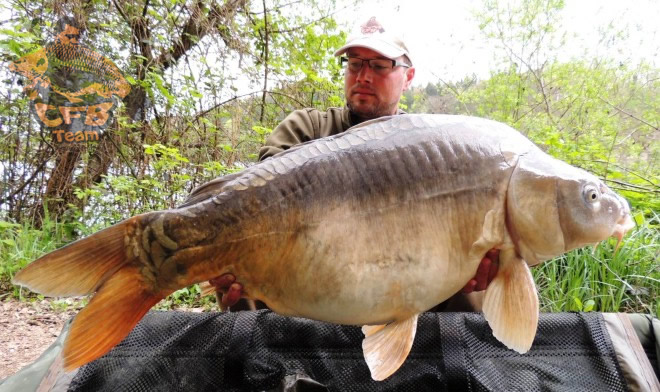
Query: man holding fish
[[369, 227], [371, 91]]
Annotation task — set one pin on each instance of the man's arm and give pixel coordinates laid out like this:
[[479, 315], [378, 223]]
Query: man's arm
[[298, 127]]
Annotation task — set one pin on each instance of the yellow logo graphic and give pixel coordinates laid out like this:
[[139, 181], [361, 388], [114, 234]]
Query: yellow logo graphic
[[72, 89]]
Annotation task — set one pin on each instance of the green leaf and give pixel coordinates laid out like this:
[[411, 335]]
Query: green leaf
[[9, 241], [15, 47], [578, 303], [261, 130], [160, 85], [589, 305], [8, 225]]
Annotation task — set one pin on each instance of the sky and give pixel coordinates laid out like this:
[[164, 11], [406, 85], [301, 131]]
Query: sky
[[445, 40]]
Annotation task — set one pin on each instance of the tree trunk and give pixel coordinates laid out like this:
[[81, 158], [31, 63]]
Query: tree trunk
[[205, 18], [59, 190]]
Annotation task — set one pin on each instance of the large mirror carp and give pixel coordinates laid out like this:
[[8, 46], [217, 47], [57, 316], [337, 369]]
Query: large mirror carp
[[369, 227]]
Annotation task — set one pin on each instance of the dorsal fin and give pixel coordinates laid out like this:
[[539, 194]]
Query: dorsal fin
[[209, 189]]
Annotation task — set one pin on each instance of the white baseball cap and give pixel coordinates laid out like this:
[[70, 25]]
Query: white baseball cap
[[373, 36]]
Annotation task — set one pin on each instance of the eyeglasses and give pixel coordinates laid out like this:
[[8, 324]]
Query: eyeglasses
[[379, 66]]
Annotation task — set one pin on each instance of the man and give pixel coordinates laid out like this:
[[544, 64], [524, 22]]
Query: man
[[378, 69]]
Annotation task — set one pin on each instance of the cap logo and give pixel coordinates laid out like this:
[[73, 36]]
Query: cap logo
[[372, 26]]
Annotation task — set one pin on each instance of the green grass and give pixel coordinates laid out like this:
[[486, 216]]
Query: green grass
[[581, 280], [20, 244]]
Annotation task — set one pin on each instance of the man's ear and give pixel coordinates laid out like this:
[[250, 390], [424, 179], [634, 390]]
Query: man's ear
[[410, 74]]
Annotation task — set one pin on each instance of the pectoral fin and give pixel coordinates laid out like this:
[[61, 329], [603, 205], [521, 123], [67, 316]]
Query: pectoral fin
[[206, 288], [511, 305], [385, 347]]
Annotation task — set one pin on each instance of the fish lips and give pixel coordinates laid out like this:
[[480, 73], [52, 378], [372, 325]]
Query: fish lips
[[626, 222], [621, 228]]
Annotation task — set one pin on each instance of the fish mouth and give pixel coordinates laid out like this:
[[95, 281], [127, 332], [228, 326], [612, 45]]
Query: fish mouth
[[621, 228], [625, 222]]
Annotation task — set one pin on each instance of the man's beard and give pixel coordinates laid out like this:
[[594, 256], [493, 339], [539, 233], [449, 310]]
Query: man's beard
[[380, 110]]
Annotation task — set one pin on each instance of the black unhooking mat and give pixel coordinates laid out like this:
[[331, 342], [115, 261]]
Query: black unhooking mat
[[170, 351]]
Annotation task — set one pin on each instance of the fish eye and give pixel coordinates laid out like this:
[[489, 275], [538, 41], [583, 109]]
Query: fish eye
[[591, 194]]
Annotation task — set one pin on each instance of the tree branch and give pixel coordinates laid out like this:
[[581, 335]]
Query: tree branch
[[626, 170], [207, 111], [637, 188], [265, 62], [197, 27], [146, 7], [630, 115], [288, 96], [28, 181], [301, 26], [121, 11]]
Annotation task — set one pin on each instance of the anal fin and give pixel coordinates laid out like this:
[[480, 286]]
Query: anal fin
[[385, 347], [511, 305]]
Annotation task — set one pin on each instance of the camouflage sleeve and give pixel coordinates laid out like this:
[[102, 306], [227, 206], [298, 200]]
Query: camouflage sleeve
[[298, 127]]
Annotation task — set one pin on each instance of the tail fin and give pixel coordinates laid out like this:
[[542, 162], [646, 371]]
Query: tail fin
[[80, 267], [97, 263], [113, 312]]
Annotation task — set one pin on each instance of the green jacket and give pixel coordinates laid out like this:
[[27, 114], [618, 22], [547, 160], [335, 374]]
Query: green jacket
[[308, 124]]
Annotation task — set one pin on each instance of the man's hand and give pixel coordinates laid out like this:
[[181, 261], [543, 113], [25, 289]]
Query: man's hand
[[485, 273], [232, 291]]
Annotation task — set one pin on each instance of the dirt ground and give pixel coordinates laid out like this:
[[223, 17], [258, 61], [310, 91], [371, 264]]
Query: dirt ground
[[27, 329]]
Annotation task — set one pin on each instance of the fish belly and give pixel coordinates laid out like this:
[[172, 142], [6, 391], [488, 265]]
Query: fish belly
[[358, 265]]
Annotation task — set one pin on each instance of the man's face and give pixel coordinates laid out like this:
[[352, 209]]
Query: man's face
[[370, 95]]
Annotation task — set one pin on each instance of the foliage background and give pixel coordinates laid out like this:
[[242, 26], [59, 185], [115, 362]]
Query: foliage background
[[189, 119]]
